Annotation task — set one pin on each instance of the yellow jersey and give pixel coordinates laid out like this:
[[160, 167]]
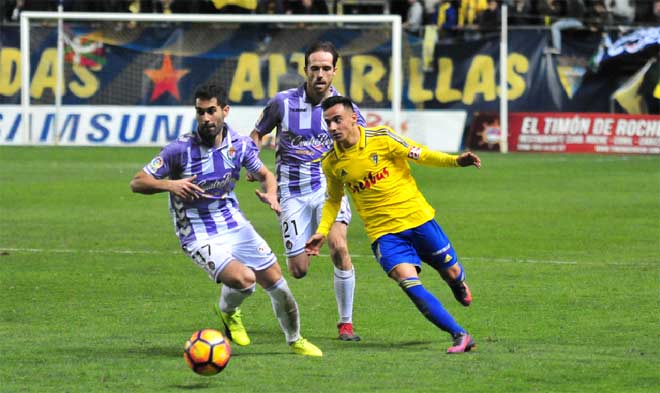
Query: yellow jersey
[[376, 175]]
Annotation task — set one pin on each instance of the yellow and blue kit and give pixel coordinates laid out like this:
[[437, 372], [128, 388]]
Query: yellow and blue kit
[[375, 173]]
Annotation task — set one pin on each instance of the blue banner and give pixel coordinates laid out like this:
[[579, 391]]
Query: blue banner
[[162, 65]]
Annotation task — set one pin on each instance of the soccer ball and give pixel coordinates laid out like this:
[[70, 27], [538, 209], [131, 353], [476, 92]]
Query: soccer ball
[[207, 352]]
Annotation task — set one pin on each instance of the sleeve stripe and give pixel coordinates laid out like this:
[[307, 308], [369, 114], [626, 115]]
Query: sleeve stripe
[[385, 132]]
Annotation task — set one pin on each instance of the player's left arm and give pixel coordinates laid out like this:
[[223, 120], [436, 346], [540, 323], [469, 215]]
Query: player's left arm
[[435, 158], [260, 172], [468, 158], [406, 147]]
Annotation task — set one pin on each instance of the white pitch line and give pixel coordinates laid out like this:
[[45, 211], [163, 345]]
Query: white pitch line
[[472, 259], [72, 251]]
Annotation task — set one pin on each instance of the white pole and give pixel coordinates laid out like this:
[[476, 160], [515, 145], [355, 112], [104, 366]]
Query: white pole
[[25, 77], [504, 101], [397, 71], [60, 75]]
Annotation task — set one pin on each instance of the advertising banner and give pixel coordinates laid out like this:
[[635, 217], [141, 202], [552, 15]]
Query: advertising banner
[[584, 133], [84, 125]]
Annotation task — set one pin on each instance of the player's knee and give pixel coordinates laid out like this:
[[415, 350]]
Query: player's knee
[[297, 266], [296, 272], [244, 279]]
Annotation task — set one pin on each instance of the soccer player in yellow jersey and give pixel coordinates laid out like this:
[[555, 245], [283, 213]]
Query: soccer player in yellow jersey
[[371, 164]]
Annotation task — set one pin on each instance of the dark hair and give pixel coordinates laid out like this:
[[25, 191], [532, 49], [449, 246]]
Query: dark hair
[[206, 92], [322, 46], [337, 100]]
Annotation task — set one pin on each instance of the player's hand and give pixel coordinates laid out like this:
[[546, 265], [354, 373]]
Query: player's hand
[[270, 200], [313, 245], [250, 177], [468, 158], [186, 188]]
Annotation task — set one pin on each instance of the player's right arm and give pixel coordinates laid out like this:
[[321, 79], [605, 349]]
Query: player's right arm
[[256, 138], [335, 191], [145, 183]]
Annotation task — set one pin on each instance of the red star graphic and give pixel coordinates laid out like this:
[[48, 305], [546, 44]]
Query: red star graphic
[[165, 79]]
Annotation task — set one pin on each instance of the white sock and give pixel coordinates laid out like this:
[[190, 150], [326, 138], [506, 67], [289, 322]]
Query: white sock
[[231, 298], [286, 309], [344, 290]]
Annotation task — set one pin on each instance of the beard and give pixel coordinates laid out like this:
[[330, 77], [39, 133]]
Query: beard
[[207, 133]]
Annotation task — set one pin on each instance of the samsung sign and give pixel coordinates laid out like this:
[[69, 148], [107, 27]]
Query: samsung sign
[[158, 125]]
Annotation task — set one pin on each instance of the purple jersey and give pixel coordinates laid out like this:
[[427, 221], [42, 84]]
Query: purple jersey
[[217, 171], [303, 139]]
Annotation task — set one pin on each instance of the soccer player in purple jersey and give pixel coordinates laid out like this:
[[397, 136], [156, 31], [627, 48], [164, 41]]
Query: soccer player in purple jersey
[[200, 170], [303, 139]]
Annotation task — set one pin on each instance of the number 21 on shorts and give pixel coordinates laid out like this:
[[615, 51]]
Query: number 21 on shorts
[[289, 228]]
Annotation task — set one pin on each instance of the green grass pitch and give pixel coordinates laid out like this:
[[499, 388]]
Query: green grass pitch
[[562, 254]]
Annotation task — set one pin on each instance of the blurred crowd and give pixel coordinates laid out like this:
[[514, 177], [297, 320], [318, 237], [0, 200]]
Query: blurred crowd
[[449, 16]]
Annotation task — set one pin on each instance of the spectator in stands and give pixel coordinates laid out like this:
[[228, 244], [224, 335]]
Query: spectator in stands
[[549, 10], [430, 11], [491, 18], [270, 7], [6, 9], [599, 16], [100, 6], [575, 9], [415, 17], [160, 6], [623, 11], [306, 7], [448, 18], [36, 5], [469, 12], [553, 14], [520, 13], [647, 12]]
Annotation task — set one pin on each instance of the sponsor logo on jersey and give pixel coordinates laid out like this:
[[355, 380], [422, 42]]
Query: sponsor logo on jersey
[[368, 181], [317, 141]]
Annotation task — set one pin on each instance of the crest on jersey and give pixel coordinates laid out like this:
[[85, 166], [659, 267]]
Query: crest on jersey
[[415, 152], [156, 164], [374, 157], [232, 152], [263, 250]]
